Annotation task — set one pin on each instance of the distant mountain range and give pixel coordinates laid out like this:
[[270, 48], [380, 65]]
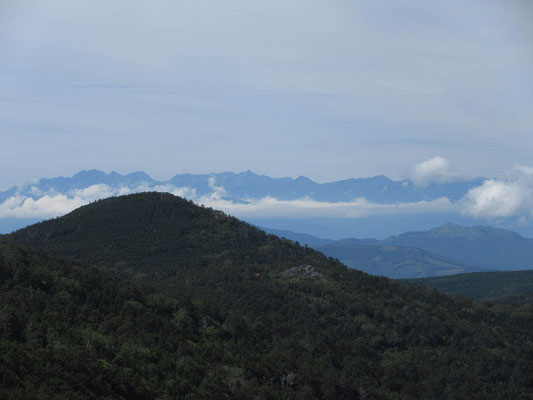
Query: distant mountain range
[[359, 207], [481, 246], [248, 185], [446, 250], [379, 189]]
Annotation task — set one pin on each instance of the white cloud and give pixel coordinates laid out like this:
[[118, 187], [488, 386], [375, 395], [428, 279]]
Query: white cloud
[[54, 204], [186, 191], [218, 191], [497, 199], [44, 207], [96, 192], [35, 191], [436, 169], [269, 207]]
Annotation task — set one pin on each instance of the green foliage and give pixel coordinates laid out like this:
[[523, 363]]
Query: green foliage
[[185, 302], [485, 285]]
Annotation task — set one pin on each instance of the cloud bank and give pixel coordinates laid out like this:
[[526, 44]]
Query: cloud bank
[[56, 204], [269, 207]]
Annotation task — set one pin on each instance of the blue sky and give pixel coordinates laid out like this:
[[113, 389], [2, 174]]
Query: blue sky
[[328, 90]]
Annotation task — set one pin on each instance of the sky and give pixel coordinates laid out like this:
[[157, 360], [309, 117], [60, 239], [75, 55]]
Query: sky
[[328, 90]]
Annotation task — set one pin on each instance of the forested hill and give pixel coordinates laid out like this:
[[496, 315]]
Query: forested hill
[[496, 285], [168, 240], [267, 318]]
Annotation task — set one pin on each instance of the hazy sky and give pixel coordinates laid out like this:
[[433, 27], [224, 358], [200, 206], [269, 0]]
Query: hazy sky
[[325, 89]]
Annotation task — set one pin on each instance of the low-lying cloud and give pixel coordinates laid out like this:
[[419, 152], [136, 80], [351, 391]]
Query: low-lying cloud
[[269, 207], [36, 204], [56, 204], [44, 207]]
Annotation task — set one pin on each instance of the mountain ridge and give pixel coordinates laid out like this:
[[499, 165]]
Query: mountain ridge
[[368, 207], [483, 246], [249, 184]]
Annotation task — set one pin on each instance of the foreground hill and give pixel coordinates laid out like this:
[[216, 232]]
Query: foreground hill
[[268, 319], [71, 332], [484, 285]]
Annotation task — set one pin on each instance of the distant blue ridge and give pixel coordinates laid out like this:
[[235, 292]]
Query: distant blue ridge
[[248, 185]]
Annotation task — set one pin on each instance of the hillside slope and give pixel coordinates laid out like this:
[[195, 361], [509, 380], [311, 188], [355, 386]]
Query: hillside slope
[[71, 332], [291, 323], [484, 285]]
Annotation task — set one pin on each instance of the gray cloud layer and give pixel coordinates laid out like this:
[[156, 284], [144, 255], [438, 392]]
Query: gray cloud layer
[[364, 87]]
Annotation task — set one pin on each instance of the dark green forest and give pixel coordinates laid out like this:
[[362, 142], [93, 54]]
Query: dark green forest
[[149, 296], [496, 286]]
